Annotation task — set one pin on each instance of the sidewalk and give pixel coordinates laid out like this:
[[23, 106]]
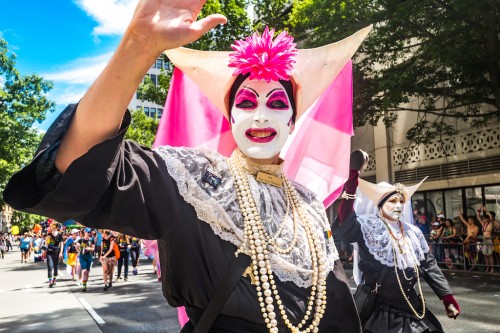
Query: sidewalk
[[27, 304]]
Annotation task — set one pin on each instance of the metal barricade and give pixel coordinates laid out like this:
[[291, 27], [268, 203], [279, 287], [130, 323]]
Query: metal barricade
[[472, 256]]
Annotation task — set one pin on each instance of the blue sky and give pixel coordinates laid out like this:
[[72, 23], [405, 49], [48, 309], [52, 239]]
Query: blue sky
[[65, 41]]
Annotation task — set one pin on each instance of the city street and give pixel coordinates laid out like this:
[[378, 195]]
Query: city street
[[29, 305]]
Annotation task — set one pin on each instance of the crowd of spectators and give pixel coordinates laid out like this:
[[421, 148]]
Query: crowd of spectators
[[467, 242]]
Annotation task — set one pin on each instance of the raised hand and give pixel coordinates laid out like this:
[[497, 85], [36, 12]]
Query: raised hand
[[157, 25], [167, 24], [359, 160]]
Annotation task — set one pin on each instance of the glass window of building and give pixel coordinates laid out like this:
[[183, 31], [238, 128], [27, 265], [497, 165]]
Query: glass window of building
[[492, 199], [146, 111], [159, 63], [160, 112], [152, 112], [434, 204], [417, 201], [473, 200], [452, 202], [153, 79]]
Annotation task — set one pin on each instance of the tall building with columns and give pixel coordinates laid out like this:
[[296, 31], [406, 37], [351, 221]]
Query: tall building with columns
[[463, 170]]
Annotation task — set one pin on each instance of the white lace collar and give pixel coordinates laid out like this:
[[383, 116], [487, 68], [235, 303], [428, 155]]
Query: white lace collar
[[218, 207], [380, 243]]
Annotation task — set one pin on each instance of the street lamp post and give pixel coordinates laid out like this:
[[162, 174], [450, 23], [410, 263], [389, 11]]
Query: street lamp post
[[7, 212]]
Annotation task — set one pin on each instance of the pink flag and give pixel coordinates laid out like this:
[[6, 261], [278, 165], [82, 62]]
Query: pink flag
[[190, 120], [317, 154]]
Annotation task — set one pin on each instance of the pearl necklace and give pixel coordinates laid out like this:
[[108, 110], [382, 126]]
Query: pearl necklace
[[416, 271], [252, 169], [257, 244], [401, 241]]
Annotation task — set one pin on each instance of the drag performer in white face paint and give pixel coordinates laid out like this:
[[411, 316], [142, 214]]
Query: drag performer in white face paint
[[262, 119], [393, 256], [242, 247]]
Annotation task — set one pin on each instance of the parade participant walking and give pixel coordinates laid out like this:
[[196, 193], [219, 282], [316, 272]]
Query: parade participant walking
[[53, 242], [393, 256], [37, 248], [3, 245], [108, 258], [71, 252], [123, 242], [135, 251], [246, 228], [85, 247], [98, 243], [25, 244]]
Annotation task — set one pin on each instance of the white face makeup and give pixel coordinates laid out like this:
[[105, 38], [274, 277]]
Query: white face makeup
[[261, 118], [393, 207]]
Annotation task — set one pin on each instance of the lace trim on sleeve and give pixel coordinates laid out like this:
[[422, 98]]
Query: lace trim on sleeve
[[187, 167]]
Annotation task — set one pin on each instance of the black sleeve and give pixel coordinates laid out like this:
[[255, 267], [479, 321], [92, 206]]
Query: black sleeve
[[434, 276], [349, 230], [116, 185]]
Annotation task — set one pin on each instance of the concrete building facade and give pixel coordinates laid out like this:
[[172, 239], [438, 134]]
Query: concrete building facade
[[463, 170]]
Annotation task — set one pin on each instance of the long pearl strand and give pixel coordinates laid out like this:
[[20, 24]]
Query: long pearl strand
[[259, 244], [416, 270]]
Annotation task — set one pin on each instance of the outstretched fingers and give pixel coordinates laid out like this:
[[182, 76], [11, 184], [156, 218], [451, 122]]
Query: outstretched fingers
[[200, 27]]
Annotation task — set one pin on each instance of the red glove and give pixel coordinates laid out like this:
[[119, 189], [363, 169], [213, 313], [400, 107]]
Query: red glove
[[346, 206], [450, 300]]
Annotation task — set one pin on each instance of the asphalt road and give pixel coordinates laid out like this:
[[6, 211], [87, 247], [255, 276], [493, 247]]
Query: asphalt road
[[28, 305]]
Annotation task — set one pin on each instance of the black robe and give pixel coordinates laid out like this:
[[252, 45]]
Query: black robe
[[392, 313], [122, 186]]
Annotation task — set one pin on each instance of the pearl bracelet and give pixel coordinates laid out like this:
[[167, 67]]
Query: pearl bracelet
[[348, 196]]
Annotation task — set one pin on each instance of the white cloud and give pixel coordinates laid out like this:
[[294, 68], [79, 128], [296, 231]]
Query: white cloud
[[112, 16], [66, 96], [80, 71]]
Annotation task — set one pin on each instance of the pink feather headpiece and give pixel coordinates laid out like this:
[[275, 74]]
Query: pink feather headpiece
[[264, 58]]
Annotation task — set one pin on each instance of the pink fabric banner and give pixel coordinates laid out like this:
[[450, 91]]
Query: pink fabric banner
[[190, 120], [317, 154]]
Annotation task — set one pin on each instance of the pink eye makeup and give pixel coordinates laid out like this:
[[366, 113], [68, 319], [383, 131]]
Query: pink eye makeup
[[246, 99], [278, 100]]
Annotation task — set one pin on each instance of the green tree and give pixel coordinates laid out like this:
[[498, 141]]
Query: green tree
[[273, 13], [156, 93], [444, 54], [237, 27], [23, 102], [142, 128]]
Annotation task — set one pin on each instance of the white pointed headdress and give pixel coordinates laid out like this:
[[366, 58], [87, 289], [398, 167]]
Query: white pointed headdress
[[377, 192], [314, 69]]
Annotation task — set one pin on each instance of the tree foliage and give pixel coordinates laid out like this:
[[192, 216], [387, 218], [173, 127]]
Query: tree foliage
[[142, 128], [237, 27], [443, 54], [23, 102], [272, 13]]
